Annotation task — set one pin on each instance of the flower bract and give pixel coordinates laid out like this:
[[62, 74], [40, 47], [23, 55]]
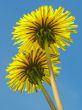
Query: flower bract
[[55, 25], [27, 67]]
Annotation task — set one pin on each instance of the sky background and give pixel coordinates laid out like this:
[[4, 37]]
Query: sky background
[[70, 78]]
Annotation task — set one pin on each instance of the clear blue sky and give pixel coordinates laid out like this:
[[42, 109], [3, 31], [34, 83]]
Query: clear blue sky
[[70, 78]]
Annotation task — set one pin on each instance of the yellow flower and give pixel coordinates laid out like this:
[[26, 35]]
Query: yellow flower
[[27, 67], [45, 23]]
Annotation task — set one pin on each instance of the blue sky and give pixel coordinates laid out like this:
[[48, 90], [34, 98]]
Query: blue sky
[[70, 78]]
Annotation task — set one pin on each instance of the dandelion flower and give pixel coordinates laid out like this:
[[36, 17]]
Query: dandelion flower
[[55, 25], [27, 67]]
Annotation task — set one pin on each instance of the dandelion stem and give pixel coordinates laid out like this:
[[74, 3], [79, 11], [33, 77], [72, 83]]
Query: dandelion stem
[[53, 81], [44, 91], [46, 95]]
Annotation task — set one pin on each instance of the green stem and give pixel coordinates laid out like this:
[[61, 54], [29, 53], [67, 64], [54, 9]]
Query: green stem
[[45, 92], [53, 81], [46, 95]]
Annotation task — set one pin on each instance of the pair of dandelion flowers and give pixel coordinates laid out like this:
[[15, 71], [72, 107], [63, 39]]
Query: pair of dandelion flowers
[[45, 23]]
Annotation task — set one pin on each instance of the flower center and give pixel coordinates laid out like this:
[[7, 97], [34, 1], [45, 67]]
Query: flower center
[[35, 72], [45, 34]]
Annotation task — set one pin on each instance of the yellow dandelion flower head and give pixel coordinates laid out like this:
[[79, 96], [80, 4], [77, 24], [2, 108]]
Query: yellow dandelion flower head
[[27, 67], [55, 25]]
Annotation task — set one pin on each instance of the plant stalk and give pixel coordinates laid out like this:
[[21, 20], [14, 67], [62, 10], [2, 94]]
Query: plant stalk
[[46, 95], [52, 106], [53, 81]]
